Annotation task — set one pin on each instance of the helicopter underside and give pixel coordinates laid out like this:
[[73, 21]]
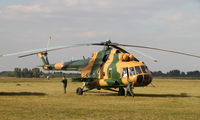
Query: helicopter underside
[[141, 81], [122, 89]]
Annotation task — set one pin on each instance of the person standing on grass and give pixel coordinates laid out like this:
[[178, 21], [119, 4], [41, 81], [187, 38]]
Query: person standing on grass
[[64, 81]]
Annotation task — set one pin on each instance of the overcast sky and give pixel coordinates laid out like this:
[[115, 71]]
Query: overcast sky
[[168, 24]]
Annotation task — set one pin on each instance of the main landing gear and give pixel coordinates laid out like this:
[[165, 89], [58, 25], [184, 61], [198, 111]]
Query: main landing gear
[[128, 91], [80, 90], [121, 91]]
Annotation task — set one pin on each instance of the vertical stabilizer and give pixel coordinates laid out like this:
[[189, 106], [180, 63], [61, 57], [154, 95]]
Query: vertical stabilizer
[[44, 58]]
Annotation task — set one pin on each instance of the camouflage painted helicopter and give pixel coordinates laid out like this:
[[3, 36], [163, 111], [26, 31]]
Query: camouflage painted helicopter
[[110, 69]]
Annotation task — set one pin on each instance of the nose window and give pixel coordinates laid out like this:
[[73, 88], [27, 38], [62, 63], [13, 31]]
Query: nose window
[[145, 69], [138, 70]]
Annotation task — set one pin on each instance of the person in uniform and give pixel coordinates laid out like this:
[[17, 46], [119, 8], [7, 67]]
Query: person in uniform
[[64, 81]]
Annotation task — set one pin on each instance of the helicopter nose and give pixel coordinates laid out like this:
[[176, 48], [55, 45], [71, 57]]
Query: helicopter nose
[[144, 79]]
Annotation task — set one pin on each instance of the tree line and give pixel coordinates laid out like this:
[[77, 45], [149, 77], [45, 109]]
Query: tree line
[[37, 73], [177, 73]]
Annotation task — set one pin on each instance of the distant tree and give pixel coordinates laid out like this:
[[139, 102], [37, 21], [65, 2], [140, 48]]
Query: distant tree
[[24, 72], [36, 72], [8, 73], [17, 72], [174, 73], [158, 74], [183, 74], [193, 74]]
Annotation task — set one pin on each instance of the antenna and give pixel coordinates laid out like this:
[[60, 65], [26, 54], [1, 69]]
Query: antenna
[[108, 36], [45, 54], [48, 42], [72, 58]]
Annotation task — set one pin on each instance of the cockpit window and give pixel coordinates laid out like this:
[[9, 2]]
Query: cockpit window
[[138, 70], [124, 72], [145, 69], [131, 71]]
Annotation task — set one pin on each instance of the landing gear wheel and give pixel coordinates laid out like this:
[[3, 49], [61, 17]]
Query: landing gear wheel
[[79, 91], [121, 91]]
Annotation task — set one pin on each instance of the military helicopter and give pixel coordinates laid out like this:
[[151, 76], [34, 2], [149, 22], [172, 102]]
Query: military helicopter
[[113, 68]]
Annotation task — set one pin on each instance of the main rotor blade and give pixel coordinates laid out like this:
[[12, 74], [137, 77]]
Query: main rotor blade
[[117, 46], [139, 52], [33, 52], [158, 49]]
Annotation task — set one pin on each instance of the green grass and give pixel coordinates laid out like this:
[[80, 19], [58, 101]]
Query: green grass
[[40, 99]]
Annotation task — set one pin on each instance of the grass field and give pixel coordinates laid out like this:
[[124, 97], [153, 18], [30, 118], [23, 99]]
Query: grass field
[[40, 99]]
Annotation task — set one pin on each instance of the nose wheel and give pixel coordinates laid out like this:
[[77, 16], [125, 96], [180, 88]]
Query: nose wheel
[[79, 91]]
